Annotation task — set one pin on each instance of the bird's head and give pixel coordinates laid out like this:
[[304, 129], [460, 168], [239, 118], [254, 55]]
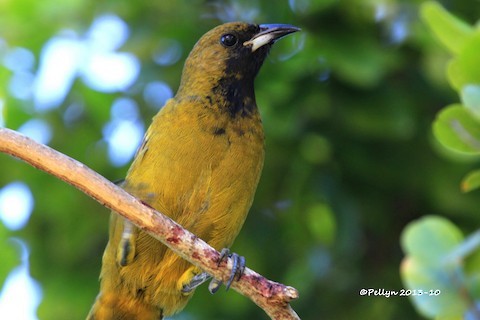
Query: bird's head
[[229, 57]]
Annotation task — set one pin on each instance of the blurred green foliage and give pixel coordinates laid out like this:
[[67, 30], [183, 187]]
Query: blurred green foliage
[[347, 104], [439, 270], [458, 126], [439, 262]]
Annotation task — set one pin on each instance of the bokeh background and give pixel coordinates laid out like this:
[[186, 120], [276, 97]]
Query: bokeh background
[[347, 106]]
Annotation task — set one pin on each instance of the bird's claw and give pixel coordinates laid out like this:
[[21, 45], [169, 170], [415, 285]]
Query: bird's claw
[[237, 270], [195, 282], [214, 285]]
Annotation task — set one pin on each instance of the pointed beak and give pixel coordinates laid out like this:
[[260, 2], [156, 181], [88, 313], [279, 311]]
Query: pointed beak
[[269, 33]]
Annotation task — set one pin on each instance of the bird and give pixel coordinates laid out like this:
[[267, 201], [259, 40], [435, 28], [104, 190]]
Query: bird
[[199, 163]]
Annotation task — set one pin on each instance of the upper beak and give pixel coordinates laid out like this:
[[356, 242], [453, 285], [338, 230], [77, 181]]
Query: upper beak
[[269, 33]]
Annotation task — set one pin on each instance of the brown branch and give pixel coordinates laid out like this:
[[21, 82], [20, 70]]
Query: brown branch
[[271, 296]]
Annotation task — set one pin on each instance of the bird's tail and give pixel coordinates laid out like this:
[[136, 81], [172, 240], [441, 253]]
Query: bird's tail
[[112, 306]]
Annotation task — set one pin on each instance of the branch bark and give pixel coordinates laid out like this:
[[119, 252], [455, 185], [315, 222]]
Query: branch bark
[[271, 296]]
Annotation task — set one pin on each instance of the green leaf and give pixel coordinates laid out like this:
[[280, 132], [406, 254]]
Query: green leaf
[[432, 280], [455, 74], [465, 69], [456, 129], [471, 99], [428, 244], [430, 239], [451, 31], [469, 246], [472, 269], [471, 181]]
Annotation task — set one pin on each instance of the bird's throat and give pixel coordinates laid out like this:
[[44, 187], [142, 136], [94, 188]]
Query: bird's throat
[[236, 96]]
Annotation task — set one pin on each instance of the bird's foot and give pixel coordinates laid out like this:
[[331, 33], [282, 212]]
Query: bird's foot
[[197, 280], [237, 270]]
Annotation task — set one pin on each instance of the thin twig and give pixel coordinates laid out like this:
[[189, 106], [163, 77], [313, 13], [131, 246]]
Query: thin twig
[[271, 296]]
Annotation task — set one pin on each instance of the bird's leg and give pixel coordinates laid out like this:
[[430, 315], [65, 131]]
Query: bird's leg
[[237, 271], [126, 246]]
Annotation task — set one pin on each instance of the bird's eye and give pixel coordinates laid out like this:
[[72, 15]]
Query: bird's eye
[[228, 40]]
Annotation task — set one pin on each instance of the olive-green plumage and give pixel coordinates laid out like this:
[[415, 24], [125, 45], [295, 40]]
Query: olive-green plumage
[[199, 163]]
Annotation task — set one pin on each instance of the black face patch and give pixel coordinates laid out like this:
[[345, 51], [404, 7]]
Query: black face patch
[[240, 68], [238, 97]]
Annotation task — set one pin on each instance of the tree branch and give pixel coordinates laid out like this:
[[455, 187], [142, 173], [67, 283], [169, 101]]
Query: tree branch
[[271, 296]]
